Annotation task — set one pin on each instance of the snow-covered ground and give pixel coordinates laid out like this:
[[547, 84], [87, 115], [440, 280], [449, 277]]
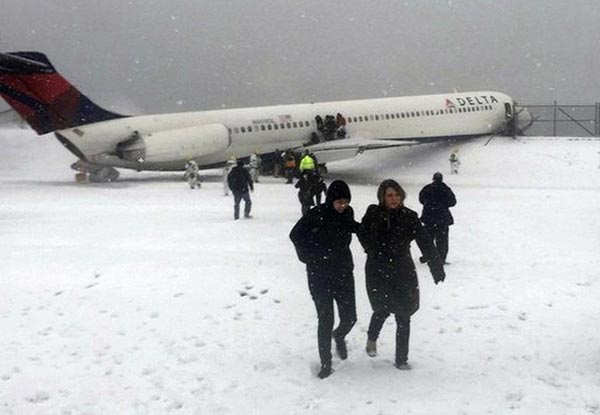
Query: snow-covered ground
[[145, 297]]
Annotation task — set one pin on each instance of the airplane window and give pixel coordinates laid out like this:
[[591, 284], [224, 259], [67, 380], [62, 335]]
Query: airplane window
[[387, 116], [392, 116], [360, 118], [249, 129], [282, 125], [349, 120], [243, 129], [269, 127], [275, 126], [377, 117], [289, 125], [295, 124], [262, 127], [236, 130]]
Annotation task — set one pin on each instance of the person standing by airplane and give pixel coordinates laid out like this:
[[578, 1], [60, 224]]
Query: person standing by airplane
[[254, 166], [454, 162], [289, 166], [322, 240], [191, 174], [340, 123], [231, 162], [437, 198], [386, 231], [240, 183], [307, 163]]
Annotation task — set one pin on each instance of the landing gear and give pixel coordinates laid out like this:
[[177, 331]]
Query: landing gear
[[94, 173], [104, 174]]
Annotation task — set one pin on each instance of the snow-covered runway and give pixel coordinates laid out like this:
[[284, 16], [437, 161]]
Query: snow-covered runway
[[145, 297]]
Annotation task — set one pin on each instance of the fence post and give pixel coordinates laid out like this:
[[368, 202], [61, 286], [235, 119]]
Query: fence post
[[597, 119], [554, 123]]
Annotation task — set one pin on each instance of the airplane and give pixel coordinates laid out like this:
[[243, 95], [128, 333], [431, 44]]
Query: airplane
[[103, 140]]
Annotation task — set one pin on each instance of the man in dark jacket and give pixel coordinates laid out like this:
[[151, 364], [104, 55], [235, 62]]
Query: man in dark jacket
[[239, 182], [322, 240], [436, 199]]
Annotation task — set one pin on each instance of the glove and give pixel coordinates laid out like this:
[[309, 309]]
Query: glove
[[437, 271]]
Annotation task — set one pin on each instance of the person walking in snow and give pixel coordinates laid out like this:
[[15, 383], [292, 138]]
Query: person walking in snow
[[386, 232], [454, 162], [240, 183], [437, 198], [305, 193], [322, 240], [231, 162], [317, 186], [191, 174]]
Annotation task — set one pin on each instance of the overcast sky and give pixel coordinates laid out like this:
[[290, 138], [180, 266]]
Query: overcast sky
[[178, 55]]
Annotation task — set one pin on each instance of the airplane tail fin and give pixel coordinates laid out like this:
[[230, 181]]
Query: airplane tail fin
[[46, 100]]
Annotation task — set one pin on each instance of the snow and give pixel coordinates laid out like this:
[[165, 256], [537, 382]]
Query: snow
[[145, 297]]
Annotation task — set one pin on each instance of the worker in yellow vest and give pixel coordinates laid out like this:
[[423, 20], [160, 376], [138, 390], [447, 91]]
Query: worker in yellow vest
[[307, 162]]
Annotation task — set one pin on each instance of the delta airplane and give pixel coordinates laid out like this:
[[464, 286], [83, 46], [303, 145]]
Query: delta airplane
[[103, 140]]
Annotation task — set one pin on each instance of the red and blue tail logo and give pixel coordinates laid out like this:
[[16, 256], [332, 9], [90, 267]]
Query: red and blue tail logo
[[47, 101]]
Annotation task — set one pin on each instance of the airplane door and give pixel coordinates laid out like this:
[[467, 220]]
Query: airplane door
[[508, 110]]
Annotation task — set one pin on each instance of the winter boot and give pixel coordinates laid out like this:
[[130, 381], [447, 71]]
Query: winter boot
[[341, 349], [325, 371], [372, 348], [403, 365]]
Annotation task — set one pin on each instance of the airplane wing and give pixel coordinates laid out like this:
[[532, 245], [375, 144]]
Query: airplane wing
[[351, 147]]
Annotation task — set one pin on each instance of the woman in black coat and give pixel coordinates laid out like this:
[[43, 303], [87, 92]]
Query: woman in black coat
[[322, 240], [386, 232]]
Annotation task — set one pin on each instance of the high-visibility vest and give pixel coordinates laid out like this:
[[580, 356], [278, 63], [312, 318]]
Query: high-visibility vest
[[307, 163]]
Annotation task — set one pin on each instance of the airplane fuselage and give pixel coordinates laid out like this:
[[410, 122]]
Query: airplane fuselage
[[169, 139]]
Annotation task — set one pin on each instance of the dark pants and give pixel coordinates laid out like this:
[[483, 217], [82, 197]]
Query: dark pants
[[325, 289], [237, 198], [402, 332], [440, 239]]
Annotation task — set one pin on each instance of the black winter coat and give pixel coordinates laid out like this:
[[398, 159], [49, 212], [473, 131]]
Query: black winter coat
[[391, 277], [322, 239], [239, 180], [436, 199]]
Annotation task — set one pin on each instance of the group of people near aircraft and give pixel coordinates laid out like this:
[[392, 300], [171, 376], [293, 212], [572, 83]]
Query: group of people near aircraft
[[322, 239], [331, 128]]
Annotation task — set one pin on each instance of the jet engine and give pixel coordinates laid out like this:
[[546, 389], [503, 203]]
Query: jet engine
[[174, 145]]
